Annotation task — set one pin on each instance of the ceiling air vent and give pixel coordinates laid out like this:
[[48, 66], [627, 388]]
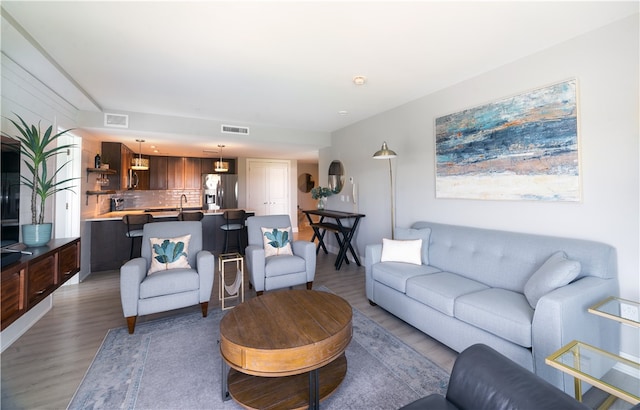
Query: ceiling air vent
[[232, 129], [116, 120]]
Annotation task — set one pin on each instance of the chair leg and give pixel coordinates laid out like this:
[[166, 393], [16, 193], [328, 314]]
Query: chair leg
[[131, 251], [205, 308], [131, 323], [309, 285]]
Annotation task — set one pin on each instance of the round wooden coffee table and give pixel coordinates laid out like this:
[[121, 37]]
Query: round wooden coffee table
[[272, 341]]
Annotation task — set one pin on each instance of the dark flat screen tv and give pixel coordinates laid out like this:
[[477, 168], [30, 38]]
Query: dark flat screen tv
[[10, 187]]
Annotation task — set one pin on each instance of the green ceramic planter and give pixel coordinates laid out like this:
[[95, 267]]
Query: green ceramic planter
[[36, 235]]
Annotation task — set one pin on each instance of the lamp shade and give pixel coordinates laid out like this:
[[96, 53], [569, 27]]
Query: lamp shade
[[138, 163], [384, 152]]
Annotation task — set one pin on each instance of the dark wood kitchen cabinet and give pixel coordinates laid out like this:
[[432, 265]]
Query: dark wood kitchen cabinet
[[175, 173], [34, 277], [192, 173], [158, 168], [119, 157], [184, 173]]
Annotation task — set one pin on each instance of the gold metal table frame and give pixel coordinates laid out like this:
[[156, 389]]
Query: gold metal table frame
[[235, 290]]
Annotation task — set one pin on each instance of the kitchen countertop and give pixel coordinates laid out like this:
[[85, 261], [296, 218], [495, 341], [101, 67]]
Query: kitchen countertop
[[155, 212], [117, 215]]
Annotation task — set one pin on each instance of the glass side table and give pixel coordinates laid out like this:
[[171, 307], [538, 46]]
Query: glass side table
[[234, 290], [608, 372], [620, 310]]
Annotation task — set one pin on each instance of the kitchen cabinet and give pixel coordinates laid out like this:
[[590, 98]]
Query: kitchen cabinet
[[184, 173], [158, 168], [119, 157], [175, 173], [28, 281], [192, 173]]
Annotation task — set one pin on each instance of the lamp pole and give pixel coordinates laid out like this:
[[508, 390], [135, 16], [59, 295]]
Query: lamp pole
[[386, 153]]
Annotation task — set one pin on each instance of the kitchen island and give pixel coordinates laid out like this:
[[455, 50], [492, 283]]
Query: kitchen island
[[110, 247]]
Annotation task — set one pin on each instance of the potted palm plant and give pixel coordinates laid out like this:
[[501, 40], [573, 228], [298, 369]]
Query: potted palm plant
[[36, 151]]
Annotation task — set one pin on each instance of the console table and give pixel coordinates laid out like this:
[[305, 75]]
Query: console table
[[343, 233], [607, 371], [38, 273]]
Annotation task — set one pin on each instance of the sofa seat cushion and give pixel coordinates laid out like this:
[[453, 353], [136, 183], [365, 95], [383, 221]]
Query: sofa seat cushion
[[168, 282], [283, 265], [396, 274], [440, 290], [504, 313]]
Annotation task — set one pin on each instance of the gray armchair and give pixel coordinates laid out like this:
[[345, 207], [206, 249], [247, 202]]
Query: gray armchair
[[143, 294], [277, 271]]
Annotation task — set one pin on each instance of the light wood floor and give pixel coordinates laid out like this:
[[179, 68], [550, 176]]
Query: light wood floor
[[44, 367]]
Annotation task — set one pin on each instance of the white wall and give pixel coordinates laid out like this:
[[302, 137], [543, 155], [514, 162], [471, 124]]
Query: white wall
[[605, 62]]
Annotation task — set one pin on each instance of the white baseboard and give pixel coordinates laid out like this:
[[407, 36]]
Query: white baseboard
[[24, 323]]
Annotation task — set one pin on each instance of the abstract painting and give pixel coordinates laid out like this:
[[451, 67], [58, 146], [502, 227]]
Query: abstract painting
[[523, 147]]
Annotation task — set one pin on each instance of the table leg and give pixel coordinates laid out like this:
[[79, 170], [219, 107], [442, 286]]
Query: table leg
[[314, 390], [225, 384]]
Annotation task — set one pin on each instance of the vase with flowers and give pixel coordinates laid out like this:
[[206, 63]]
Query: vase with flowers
[[321, 194]]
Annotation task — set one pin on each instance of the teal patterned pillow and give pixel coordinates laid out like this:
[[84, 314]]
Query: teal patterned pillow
[[277, 241], [169, 253]]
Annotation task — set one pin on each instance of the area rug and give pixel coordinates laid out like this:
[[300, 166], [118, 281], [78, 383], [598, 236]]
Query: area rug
[[175, 363]]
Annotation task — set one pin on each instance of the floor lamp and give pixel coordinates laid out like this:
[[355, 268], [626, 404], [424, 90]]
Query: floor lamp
[[386, 153]]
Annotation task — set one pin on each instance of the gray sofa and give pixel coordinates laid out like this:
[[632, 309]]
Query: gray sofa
[[470, 288]]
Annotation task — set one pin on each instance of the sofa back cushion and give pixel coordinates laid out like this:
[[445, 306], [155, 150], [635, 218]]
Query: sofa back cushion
[[412, 234], [507, 259]]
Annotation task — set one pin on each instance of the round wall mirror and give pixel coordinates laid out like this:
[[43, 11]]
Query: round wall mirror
[[305, 182], [336, 176]]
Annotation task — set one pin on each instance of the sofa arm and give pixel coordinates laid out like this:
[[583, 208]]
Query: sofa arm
[[372, 255], [561, 316], [307, 251], [254, 256], [132, 274], [205, 265], [482, 378]]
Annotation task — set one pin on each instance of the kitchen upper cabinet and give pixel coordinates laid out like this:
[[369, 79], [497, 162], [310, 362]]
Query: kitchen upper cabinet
[[158, 168], [192, 173], [119, 157], [175, 173], [184, 173]]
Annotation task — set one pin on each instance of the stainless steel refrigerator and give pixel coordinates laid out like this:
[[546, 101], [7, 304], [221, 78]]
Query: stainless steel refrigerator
[[220, 191]]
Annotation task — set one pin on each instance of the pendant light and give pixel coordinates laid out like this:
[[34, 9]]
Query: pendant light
[[138, 163], [221, 166]]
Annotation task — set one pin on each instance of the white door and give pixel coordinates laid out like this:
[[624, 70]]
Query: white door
[[67, 203], [268, 187]]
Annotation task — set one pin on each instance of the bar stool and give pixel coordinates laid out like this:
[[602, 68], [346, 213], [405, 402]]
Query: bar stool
[[234, 222], [190, 216], [134, 223]]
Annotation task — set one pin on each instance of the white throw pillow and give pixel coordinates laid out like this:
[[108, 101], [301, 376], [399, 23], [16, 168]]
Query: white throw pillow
[[169, 253], [557, 271], [277, 241], [402, 251], [422, 233]]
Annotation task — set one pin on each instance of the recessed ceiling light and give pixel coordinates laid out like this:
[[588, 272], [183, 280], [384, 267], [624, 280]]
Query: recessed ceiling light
[[359, 80], [343, 112]]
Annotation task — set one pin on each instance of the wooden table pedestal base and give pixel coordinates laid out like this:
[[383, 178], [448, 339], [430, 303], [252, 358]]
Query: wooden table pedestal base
[[289, 392]]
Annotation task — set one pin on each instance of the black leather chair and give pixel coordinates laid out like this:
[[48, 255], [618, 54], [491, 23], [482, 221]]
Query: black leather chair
[[484, 379]]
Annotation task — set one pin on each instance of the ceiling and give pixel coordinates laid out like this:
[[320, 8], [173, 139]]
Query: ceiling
[[283, 68]]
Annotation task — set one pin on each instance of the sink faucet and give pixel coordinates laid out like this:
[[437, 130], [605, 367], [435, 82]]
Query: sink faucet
[[183, 196]]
